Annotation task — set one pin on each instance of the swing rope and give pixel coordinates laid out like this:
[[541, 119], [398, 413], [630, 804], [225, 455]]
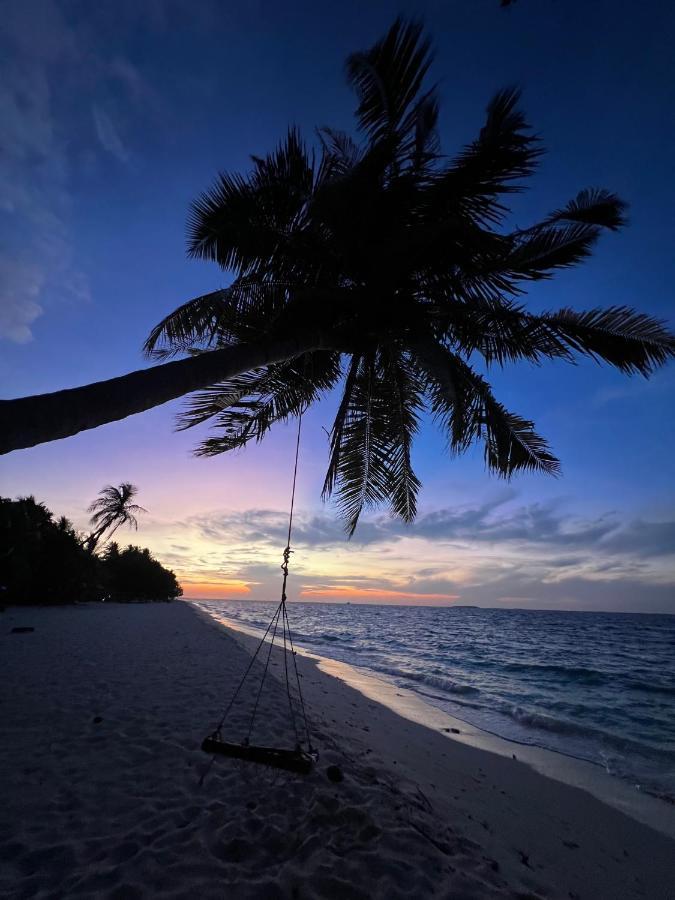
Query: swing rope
[[280, 615]]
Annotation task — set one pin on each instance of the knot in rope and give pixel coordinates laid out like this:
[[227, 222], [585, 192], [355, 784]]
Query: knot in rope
[[287, 559]]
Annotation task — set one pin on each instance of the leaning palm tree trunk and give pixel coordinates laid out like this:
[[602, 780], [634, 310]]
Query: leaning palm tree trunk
[[28, 421], [91, 542]]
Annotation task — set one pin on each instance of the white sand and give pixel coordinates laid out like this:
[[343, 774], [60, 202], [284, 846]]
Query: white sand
[[114, 808]]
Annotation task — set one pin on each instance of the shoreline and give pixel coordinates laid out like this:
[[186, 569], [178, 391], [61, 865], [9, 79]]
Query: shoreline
[[568, 769], [104, 708]]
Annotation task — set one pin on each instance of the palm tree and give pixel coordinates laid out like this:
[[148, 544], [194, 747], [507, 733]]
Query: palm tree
[[112, 508], [379, 265]]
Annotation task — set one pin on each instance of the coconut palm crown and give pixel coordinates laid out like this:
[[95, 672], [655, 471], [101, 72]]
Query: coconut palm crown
[[112, 508], [400, 259]]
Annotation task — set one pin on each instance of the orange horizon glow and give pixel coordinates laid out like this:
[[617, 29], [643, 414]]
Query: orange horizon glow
[[213, 590], [347, 592], [228, 590]]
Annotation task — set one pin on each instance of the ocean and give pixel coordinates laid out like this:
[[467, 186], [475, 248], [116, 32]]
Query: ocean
[[595, 686]]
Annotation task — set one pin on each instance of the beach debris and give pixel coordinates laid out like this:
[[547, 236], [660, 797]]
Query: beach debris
[[22, 629], [443, 846], [334, 774], [97, 720], [423, 797], [571, 845]]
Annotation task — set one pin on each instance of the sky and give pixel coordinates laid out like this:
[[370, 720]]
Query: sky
[[115, 115]]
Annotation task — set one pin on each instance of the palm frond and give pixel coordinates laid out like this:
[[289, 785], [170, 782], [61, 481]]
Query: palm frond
[[371, 439], [565, 238], [219, 218], [425, 135], [634, 342], [244, 223], [337, 431], [361, 466], [246, 407], [537, 253], [240, 312], [283, 182], [593, 206], [340, 153], [404, 387], [388, 78], [463, 402], [504, 152], [501, 331], [195, 322], [221, 396]]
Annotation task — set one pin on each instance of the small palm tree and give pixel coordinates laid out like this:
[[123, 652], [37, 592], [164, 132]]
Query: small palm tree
[[377, 265], [63, 523], [111, 509]]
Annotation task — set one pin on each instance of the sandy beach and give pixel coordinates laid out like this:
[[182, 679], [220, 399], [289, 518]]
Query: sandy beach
[[103, 709]]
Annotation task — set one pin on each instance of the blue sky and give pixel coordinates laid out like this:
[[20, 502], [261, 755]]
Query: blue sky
[[116, 115]]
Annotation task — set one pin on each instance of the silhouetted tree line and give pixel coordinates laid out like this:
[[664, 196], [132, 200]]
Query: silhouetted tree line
[[45, 560]]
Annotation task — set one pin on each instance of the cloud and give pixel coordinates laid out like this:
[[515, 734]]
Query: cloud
[[496, 553], [634, 389], [33, 194], [53, 70], [542, 526], [108, 135], [20, 284], [271, 527], [647, 539], [626, 595]]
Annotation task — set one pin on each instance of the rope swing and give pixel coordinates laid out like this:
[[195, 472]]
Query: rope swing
[[301, 758]]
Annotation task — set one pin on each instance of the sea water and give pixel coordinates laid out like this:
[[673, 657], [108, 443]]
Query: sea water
[[596, 686]]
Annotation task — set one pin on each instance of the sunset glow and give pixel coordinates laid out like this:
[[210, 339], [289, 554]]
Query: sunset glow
[[377, 595], [214, 590]]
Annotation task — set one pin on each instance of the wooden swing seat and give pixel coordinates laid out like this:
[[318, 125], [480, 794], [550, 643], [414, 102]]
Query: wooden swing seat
[[291, 760]]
